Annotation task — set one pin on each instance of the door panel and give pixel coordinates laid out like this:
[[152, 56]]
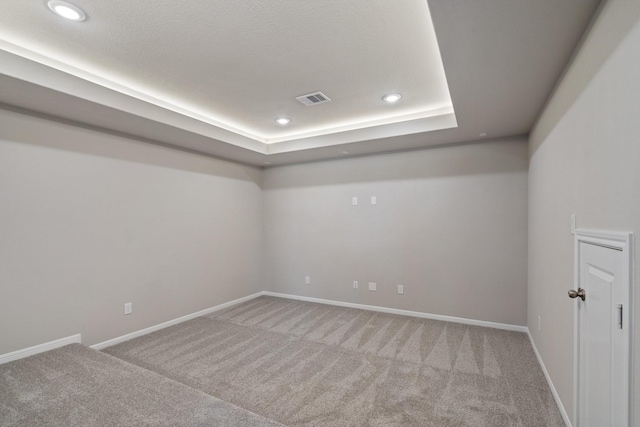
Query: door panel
[[603, 347]]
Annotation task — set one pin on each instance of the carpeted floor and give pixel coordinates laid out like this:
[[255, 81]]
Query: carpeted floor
[[77, 386], [306, 364]]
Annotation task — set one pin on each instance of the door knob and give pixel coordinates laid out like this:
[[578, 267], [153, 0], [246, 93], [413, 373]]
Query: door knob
[[579, 293]]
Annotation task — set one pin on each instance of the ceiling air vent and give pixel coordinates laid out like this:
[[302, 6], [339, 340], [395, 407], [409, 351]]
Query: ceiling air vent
[[313, 99]]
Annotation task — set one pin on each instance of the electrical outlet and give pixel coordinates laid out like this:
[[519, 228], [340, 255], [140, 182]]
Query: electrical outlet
[[372, 286], [307, 280], [354, 201], [374, 200], [539, 323], [127, 308], [400, 289], [355, 284]]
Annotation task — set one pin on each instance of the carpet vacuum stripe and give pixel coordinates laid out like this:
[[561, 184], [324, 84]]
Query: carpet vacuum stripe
[[308, 364]]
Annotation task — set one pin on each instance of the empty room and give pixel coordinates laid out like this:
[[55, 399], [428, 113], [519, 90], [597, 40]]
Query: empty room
[[319, 213]]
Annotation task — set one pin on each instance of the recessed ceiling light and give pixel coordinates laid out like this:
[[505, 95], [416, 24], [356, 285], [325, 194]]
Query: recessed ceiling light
[[391, 98], [67, 10], [283, 120], [483, 134]]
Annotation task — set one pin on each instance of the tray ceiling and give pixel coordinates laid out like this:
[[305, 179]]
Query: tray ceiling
[[215, 75]]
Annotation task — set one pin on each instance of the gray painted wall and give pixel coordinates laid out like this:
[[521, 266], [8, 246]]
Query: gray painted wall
[[450, 225], [584, 159], [89, 221]]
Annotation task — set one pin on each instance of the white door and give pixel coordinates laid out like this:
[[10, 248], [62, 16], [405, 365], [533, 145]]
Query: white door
[[603, 331]]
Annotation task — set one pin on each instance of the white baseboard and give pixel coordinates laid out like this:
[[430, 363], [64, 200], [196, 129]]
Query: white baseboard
[[40, 348], [163, 325], [484, 323], [556, 396]]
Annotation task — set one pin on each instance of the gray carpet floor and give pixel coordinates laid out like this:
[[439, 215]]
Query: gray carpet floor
[[77, 386], [306, 364]]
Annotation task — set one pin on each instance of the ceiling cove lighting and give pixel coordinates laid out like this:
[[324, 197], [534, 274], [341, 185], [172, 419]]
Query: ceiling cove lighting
[[283, 121], [67, 10], [391, 98]]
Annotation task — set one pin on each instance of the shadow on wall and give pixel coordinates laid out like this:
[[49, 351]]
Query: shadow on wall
[[502, 155], [583, 67], [19, 127]]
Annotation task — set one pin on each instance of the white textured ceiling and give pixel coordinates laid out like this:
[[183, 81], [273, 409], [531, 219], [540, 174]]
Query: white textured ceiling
[[211, 76]]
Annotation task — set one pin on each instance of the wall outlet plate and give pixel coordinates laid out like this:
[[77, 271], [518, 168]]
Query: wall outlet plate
[[355, 284], [127, 308], [400, 289], [372, 286]]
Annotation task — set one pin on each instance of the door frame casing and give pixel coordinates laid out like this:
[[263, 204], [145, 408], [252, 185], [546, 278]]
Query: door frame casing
[[621, 241]]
